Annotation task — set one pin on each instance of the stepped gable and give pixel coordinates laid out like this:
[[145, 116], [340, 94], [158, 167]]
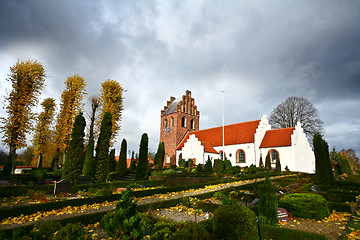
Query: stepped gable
[[234, 134], [277, 138]]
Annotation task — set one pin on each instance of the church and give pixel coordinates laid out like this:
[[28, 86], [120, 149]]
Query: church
[[243, 143]]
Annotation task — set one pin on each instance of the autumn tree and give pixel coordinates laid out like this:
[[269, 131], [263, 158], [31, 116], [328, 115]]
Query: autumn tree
[[111, 100], [121, 167], [102, 149], [293, 110], [70, 106], [27, 79], [43, 132], [142, 166], [89, 164], [350, 156], [73, 157]]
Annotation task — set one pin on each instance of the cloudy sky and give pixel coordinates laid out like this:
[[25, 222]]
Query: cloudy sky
[[257, 52]]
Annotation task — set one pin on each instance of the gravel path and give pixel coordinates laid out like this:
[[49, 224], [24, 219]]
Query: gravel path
[[144, 200]]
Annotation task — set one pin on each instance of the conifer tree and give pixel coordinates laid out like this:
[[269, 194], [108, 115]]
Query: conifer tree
[[121, 167], [111, 161], [323, 171], [27, 79], [160, 155], [73, 158], [261, 164], [208, 166], [268, 203], [132, 167], [267, 161], [278, 166], [102, 149], [142, 166]]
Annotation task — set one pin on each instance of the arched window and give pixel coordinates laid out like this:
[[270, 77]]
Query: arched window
[[240, 156], [274, 155], [222, 155], [168, 159], [165, 123], [171, 121], [183, 122], [192, 124]]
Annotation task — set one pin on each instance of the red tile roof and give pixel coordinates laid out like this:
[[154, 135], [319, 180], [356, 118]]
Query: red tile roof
[[277, 138], [234, 134]]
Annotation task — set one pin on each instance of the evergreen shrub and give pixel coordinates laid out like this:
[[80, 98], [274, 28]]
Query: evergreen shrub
[[182, 163], [281, 233], [268, 203], [72, 231], [208, 166], [227, 164], [218, 166], [190, 231], [232, 222], [305, 205]]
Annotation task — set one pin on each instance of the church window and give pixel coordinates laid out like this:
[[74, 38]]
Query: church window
[[192, 123], [165, 123], [168, 159], [240, 156], [171, 122], [183, 122], [274, 156], [222, 155]]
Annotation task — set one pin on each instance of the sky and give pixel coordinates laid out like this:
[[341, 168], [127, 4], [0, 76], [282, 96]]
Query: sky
[[258, 52]]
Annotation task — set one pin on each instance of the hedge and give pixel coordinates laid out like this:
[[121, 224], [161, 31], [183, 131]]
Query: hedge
[[281, 233], [337, 197], [339, 207]]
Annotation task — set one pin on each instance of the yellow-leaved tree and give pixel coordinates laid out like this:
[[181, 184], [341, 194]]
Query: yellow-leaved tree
[[70, 105], [111, 100], [27, 79], [43, 133]]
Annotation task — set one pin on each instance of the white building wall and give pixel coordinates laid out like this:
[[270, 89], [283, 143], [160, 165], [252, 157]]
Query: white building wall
[[258, 137], [193, 150], [286, 156], [232, 149]]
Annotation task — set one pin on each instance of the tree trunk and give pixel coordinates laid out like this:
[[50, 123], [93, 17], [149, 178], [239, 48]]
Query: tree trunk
[[40, 160], [12, 157]]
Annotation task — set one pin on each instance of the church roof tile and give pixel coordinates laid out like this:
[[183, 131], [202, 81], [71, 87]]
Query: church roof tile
[[277, 138]]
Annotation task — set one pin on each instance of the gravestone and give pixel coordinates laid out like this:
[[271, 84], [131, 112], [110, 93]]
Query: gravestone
[[283, 215], [315, 189], [254, 202], [62, 186]]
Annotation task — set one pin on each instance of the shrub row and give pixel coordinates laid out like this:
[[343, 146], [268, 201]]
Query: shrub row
[[281, 233], [338, 197], [339, 207]]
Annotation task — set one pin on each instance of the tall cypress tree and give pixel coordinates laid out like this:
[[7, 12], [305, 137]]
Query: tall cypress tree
[[142, 166], [121, 167], [323, 171], [267, 161], [268, 203], [89, 164], [102, 149], [278, 165], [111, 161], [73, 159], [159, 156]]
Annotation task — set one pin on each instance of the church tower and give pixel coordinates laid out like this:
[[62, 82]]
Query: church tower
[[178, 117]]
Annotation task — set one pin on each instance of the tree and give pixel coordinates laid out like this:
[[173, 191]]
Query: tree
[[121, 167], [278, 166], [267, 161], [132, 167], [208, 166], [351, 157], [323, 170], [102, 149], [293, 110], [160, 155], [261, 164], [111, 161], [26, 157], [73, 159], [142, 166], [43, 133], [27, 79], [268, 203], [111, 100], [70, 105], [89, 164]]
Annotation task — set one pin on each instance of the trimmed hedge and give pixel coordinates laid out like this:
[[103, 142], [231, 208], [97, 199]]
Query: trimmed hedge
[[281, 233], [339, 207], [338, 197]]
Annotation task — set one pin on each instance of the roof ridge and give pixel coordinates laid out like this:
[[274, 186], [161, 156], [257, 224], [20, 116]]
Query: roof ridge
[[278, 129]]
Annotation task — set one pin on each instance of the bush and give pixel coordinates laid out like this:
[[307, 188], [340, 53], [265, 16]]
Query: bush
[[268, 203], [44, 230], [281, 233], [199, 168], [234, 222], [113, 176], [74, 231], [227, 164], [305, 205], [218, 166], [182, 163], [208, 166], [163, 230], [190, 231]]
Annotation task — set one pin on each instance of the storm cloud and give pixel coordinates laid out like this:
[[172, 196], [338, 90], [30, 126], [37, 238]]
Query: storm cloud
[[257, 52]]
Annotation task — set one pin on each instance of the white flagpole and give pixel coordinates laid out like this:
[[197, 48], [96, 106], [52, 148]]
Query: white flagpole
[[223, 120]]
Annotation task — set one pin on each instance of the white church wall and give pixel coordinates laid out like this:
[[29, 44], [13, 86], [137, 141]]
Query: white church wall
[[259, 135], [212, 156], [248, 148], [286, 156], [193, 150], [305, 158]]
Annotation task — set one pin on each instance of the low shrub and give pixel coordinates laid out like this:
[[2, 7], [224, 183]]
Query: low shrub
[[339, 207], [44, 230], [234, 222], [163, 230], [305, 205], [190, 231], [280, 233], [182, 163], [113, 176], [218, 166], [72, 231]]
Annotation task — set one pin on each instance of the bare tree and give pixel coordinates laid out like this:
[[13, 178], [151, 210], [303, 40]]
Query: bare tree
[[295, 109]]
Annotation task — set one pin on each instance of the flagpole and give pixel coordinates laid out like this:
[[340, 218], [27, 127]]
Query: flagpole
[[223, 121]]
